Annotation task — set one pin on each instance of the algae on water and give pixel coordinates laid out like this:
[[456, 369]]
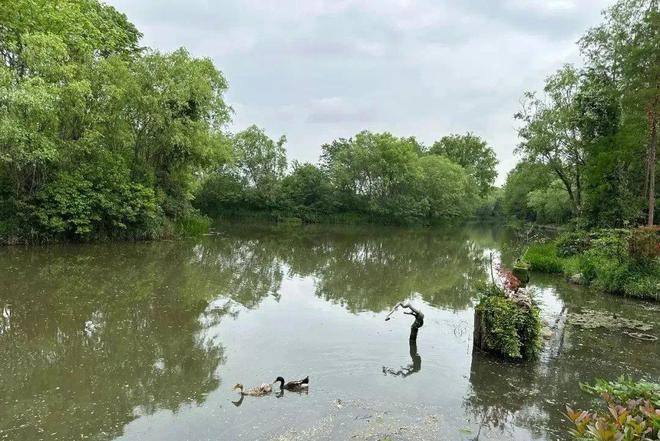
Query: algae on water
[[591, 319]]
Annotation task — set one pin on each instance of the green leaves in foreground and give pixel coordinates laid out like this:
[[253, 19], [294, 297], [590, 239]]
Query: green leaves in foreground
[[631, 412]]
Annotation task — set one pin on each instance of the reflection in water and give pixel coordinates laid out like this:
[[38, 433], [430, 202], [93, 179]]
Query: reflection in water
[[414, 366], [98, 338]]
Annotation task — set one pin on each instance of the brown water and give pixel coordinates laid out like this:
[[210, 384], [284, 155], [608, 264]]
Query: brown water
[[144, 341]]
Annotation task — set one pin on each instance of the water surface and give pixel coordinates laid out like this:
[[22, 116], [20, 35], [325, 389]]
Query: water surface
[[145, 341]]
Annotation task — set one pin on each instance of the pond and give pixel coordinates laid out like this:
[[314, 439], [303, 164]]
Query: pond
[[144, 341]]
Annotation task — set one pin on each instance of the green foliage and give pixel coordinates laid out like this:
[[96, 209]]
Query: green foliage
[[194, 224], [373, 177], [572, 242], [542, 257], [550, 205], [473, 154], [99, 138], [308, 192], [595, 128], [643, 286], [100, 203], [645, 244], [603, 259], [491, 207], [447, 191], [525, 178], [511, 329], [629, 411]]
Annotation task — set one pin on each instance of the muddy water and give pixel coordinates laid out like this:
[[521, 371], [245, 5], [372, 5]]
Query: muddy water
[[145, 341]]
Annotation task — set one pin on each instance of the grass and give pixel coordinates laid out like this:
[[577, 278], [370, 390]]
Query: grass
[[605, 263], [542, 257]]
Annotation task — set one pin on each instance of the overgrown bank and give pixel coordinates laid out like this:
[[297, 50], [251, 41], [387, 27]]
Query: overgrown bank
[[617, 261], [100, 137]]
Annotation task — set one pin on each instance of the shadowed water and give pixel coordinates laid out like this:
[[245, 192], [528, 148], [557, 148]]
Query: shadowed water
[[145, 341]]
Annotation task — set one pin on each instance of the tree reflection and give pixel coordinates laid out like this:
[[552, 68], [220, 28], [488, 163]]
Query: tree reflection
[[88, 344], [94, 336], [414, 366]]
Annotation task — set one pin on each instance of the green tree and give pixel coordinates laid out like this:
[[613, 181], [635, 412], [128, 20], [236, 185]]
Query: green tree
[[626, 49], [98, 137], [550, 204], [472, 153], [260, 161], [446, 188], [307, 187], [550, 132], [525, 178], [372, 170]]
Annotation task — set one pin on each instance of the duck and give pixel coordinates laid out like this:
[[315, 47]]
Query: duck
[[295, 385], [259, 391]]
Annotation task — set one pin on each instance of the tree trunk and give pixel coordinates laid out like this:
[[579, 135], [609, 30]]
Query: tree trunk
[[652, 149]]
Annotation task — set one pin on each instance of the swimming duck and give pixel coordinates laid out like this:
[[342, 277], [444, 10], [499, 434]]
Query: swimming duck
[[293, 385], [259, 391]]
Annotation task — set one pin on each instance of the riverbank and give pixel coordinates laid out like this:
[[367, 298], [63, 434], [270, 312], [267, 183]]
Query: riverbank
[[617, 261]]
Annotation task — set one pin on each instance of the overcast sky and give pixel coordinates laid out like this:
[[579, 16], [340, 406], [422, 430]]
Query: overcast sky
[[316, 70]]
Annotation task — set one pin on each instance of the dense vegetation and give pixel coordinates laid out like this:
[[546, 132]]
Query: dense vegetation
[[369, 177], [588, 142], [99, 137], [103, 138], [507, 320], [618, 261]]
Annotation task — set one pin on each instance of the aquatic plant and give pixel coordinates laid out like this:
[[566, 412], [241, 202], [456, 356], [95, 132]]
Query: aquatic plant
[[631, 411]]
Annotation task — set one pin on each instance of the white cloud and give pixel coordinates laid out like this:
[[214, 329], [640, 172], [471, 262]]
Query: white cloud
[[320, 69]]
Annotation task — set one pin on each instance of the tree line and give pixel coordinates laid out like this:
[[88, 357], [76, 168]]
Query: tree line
[[368, 177], [103, 138], [589, 139]]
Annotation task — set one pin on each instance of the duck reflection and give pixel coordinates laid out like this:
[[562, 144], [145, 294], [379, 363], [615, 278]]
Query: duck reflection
[[414, 366]]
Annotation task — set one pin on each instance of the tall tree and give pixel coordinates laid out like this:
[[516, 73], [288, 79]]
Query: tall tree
[[473, 154], [550, 133], [626, 48], [259, 161]]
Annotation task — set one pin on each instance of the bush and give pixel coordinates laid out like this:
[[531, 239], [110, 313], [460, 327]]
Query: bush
[[630, 412], [542, 257], [572, 243], [511, 329], [606, 264], [645, 244]]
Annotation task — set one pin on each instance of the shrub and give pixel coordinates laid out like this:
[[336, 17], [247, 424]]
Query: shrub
[[645, 244], [572, 243], [631, 412], [542, 257], [511, 329]]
